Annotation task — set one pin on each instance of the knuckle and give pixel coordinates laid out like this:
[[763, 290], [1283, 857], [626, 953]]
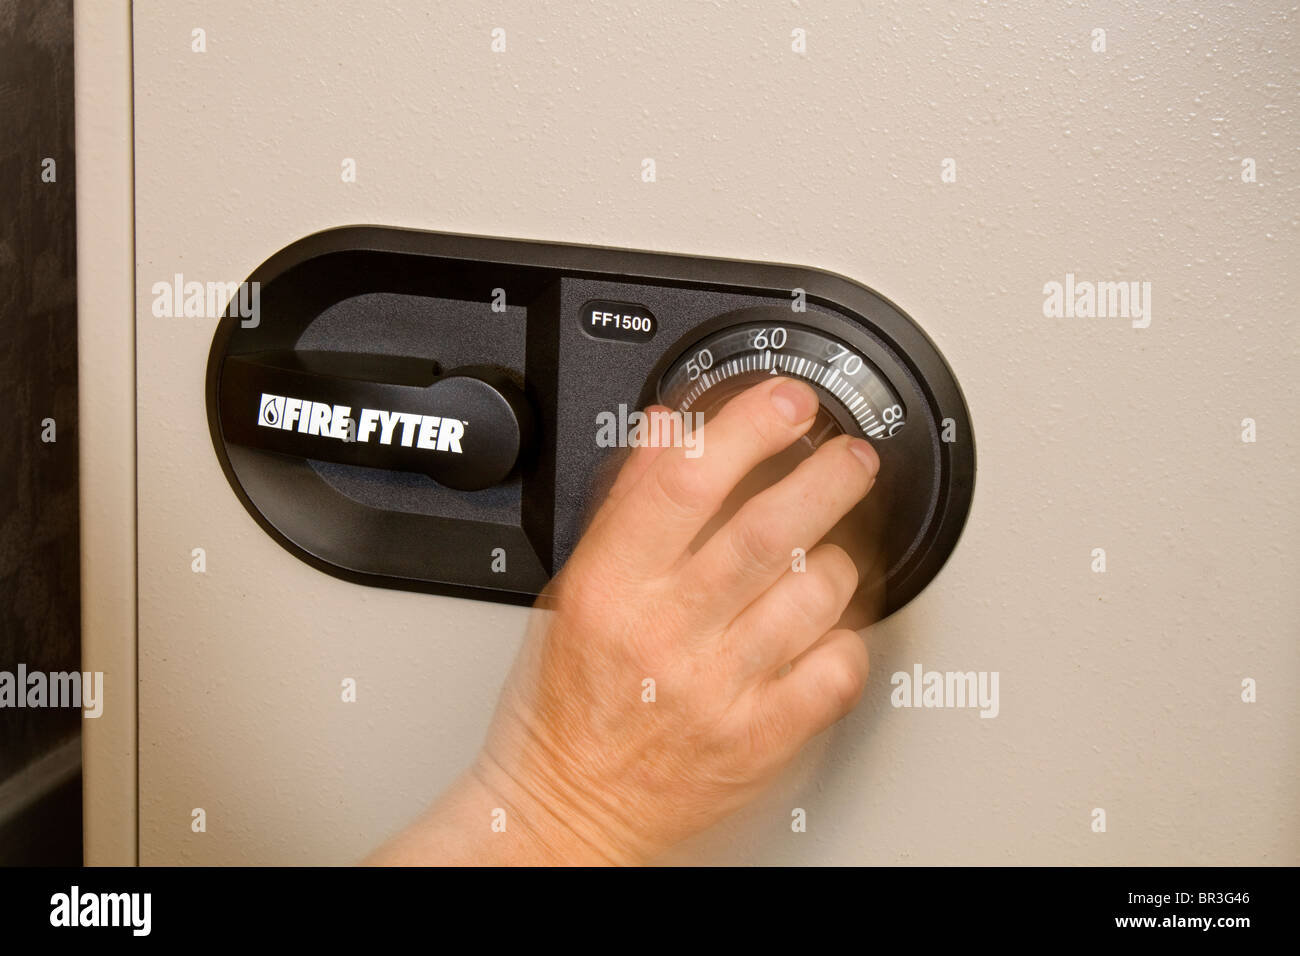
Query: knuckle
[[844, 680], [836, 458], [830, 582], [692, 603], [681, 486], [756, 544], [754, 414], [764, 425], [819, 599], [841, 568]]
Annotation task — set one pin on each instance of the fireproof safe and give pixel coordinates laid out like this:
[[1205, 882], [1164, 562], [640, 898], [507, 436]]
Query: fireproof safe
[[1125, 564]]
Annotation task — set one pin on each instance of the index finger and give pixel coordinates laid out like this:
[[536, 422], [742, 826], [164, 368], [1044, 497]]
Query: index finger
[[660, 515]]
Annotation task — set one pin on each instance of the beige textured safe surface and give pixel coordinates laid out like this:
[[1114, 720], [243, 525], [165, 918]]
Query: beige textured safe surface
[[1119, 691]]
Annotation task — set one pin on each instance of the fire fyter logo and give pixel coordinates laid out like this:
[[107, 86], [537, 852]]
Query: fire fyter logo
[[431, 432]]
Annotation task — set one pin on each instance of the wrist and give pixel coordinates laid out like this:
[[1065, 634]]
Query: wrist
[[538, 824]]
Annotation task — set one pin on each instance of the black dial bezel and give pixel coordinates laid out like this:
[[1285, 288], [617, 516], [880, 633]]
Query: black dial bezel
[[929, 521]]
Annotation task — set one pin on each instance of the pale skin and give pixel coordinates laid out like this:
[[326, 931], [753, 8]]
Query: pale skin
[[744, 652]]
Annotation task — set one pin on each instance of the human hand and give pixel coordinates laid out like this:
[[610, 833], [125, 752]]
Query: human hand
[[668, 686]]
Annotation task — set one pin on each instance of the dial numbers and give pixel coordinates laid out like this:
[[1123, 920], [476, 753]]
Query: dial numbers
[[724, 363]]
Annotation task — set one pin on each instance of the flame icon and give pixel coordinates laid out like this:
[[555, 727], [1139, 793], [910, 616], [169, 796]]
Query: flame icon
[[271, 411]]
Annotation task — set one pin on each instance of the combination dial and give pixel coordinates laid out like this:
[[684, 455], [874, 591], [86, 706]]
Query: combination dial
[[866, 389]]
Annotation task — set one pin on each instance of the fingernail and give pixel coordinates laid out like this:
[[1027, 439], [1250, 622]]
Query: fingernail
[[866, 454], [795, 401]]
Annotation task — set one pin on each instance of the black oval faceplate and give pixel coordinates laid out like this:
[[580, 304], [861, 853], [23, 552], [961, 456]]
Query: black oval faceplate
[[550, 343]]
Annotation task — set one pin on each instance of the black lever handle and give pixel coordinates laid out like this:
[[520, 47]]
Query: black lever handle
[[465, 429]]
